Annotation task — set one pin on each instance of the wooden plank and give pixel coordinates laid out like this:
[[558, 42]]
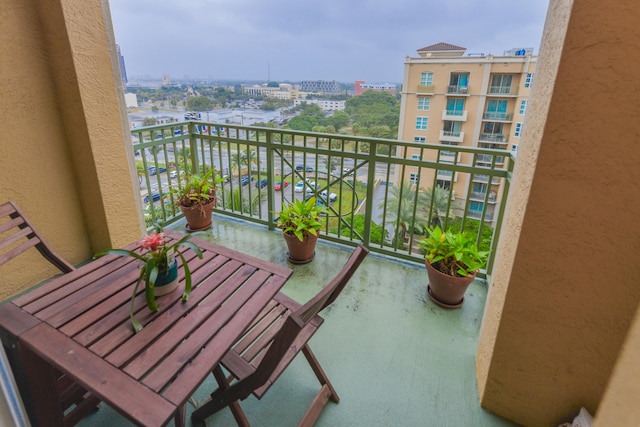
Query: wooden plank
[[14, 320], [128, 396]]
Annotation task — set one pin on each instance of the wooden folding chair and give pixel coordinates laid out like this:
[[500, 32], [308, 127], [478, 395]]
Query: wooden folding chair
[[280, 332], [17, 236]]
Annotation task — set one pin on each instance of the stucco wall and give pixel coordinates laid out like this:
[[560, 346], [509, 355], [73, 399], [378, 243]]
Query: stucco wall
[[65, 160], [564, 290]]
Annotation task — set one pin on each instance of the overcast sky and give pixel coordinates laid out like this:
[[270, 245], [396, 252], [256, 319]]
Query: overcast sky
[[294, 40]]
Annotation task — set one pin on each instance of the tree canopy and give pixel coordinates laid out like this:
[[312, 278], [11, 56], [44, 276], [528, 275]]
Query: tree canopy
[[199, 103]]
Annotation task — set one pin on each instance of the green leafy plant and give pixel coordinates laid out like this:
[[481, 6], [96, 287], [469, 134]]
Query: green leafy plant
[[198, 189], [452, 253], [156, 255], [301, 217]]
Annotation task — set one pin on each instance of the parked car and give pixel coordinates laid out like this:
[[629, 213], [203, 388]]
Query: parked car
[[173, 174], [299, 188], [262, 183], [332, 196], [301, 168], [152, 170], [161, 169], [155, 196], [280, 185], [246, 179]]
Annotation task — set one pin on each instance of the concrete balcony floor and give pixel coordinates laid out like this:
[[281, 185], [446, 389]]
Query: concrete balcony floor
[[394, 357]]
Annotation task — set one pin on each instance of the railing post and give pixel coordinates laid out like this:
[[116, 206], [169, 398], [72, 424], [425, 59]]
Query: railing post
[[270, 180], [193, 149], [371, 178]]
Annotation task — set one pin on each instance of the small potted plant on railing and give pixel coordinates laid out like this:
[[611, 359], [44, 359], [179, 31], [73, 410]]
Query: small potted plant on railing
[[300, 224], [159, 269], [452, 260], [196, 199]]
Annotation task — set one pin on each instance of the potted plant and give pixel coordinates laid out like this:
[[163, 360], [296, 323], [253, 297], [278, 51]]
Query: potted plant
[[159, 267], [452, 260], [300, 224], [197, 198]]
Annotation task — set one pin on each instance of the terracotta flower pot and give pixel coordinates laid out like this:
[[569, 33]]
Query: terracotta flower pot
[[445, 290], [301, 252], [199, 216]]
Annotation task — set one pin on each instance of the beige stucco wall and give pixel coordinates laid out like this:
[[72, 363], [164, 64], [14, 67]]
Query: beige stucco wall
[[65, 158], [564, 290]]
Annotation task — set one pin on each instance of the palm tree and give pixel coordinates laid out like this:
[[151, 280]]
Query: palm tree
[[400, 210], [236, 201], [439, 205], [243, 158]]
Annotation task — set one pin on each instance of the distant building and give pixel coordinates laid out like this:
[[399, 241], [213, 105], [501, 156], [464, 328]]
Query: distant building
[[123, 69], [284, 91], [325, 104], [322, 86], [166, 80], [474, 101], [131, 100], [362, 87]]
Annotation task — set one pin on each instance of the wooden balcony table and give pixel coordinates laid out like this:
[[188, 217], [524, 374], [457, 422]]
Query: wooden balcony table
[[78, 324]]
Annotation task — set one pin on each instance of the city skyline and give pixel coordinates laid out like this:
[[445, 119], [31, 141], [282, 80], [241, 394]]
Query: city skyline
[[293, 41]]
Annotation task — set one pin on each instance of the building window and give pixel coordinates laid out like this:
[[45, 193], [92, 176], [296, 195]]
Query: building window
[[443, 184], [416, 157], [475, 207], [420, 139], [414, 179], [455, 106], [422, 123], [518, 130], [424, 103], [426, 79], [528, 81], [523, 107]]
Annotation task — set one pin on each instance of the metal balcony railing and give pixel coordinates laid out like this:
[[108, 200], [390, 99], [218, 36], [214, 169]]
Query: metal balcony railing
[[368, 185], [503, 90], [496, 115], [458, 89], [494, 137]]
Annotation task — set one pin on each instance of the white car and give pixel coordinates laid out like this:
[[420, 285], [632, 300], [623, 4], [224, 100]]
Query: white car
[[173, 174], [299, 187]]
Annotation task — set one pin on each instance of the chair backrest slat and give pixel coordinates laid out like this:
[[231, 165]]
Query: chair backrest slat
[[17, 234]]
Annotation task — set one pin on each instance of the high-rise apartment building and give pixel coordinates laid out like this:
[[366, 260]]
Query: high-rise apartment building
[[476, 100], [123, 69]]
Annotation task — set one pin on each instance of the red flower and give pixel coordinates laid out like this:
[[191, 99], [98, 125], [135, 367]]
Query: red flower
[[153, 240]]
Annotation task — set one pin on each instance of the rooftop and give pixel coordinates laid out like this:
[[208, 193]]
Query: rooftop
[[389, 351]]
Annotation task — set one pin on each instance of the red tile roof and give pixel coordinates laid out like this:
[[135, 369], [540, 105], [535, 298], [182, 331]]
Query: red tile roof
[[440, 47]]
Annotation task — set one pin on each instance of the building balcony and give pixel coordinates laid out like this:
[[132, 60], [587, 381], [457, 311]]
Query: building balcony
[[451, 136], [493, 138], [503, 91], [482, 196], [495, 116], [457, 90], [425, 90], [454, 115]]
